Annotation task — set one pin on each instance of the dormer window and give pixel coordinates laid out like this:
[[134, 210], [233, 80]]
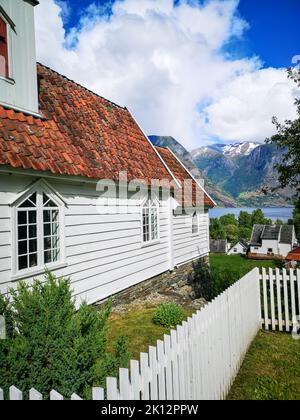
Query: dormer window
[[4, 70]]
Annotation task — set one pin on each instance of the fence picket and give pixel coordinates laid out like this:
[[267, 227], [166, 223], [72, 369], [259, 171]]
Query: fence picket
[[75, 397], [279, 305], [98, 394], [272, 299], [286, 301], [1, 395], [135, 380], [153, 370], [34, 395], [293, 296], [112, 389], [264, 276], [55, 396], [15, 394], [145, 380]]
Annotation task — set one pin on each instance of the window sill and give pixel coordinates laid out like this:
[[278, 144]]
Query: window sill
[[8, 80], [195, 234], [152, 243], [38, 271]]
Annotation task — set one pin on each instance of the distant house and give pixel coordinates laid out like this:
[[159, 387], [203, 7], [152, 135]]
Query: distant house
[[240, 248], [272, 241], [219, 246], [293, 257]]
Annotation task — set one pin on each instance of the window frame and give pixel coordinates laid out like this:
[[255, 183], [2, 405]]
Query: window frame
[[154, 203], [39, 188], [9, 28], [195, 214]]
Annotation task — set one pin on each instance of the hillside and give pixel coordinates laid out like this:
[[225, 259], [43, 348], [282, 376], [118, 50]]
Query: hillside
[[235, 174], [220, 198], [243, 170]]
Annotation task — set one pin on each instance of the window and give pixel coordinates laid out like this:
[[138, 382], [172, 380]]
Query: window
[[150, 221], [270, 250], [235, 250], [195, 224], [38, 231], [4, 72]]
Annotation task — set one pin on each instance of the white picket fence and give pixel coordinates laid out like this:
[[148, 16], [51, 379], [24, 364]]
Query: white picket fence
[[280, 292], [197, 361]]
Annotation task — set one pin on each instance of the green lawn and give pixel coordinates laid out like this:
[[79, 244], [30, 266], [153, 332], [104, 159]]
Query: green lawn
[[238, 263], [271, 370], [139, 328]]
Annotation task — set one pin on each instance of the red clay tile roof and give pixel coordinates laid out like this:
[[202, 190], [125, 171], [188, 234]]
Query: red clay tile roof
[[294, 255], [82, 134], [181, 174]]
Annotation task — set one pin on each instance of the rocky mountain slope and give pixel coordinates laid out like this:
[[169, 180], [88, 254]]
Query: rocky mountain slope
[[244, 170], [235, 174]]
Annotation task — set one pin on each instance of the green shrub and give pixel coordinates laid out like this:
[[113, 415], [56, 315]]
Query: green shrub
[[50, 345], [168, 315], [203, 281]]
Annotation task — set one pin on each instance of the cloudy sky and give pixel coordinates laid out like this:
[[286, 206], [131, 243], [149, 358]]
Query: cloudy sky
[[200, 71]]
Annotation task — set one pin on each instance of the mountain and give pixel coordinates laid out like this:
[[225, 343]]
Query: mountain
[[221, 198], [243, 170]]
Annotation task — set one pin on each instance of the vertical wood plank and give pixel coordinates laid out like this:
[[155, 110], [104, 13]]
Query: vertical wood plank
[[15, 394], [161, 371], [293, 297], [271, 280], [135, 380], [265, 292], [175, 372], [153, 370], [75, 397], [125, 386], [168, 368], [279, 304], [286, 301], [98, 394], [55, 396], [112, 389], [145, 379], [1, 395], [34, 395]]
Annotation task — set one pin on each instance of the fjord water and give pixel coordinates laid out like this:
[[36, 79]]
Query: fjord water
[[283, 213]]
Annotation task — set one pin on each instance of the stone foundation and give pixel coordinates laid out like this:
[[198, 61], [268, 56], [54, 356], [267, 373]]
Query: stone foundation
[[163, 283]]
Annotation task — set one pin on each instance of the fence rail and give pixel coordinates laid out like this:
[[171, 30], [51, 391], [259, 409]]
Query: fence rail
[[280, 292], [197, 361]]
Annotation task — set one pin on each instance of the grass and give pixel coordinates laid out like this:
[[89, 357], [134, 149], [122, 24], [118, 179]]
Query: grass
[[138, 327], [271, 370], [238, 263]]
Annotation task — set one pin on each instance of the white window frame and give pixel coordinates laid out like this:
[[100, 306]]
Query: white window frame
[[150, 203], [40, 187], [10, 27], [195, 215]]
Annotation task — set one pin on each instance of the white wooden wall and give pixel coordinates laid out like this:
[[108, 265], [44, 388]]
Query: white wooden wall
[[186, 245], [104, 253], [197, 361], [280, 299]]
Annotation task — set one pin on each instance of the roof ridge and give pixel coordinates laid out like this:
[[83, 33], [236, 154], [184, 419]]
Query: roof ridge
[[82, 87]]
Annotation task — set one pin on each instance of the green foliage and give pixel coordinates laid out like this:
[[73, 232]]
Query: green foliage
[[245, 234], [203, 280], [50, 345], [296, 219], [287, 141], [245, 220], [228, 219], [258, 217], [168, 315], [217, 230]]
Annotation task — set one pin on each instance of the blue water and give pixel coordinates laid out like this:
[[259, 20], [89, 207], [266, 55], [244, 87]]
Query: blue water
[[283, 213]]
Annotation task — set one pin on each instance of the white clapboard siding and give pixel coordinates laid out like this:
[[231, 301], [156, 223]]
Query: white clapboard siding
[[104, 253], [281, 299], [186, 245], [197, 361]]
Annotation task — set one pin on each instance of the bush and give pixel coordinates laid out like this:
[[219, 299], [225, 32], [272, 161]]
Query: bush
[[203, 280], [50, 345], [168, 315]]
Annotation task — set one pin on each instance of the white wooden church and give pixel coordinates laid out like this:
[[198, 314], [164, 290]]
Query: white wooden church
[[57, 141]]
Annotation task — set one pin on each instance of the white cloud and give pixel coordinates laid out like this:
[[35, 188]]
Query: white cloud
[[164, 63]]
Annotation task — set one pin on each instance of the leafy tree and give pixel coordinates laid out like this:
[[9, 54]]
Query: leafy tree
[[50, 345], [232, 233], [217, 230], [279, 222], [245, 234], [287, 140], [228, 219], [258, 217], [245, 220]]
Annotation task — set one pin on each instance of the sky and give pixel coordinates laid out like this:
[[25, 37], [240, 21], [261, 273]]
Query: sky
[[200, 71]]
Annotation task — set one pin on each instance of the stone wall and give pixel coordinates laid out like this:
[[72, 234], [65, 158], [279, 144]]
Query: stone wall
[[165, 282]]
